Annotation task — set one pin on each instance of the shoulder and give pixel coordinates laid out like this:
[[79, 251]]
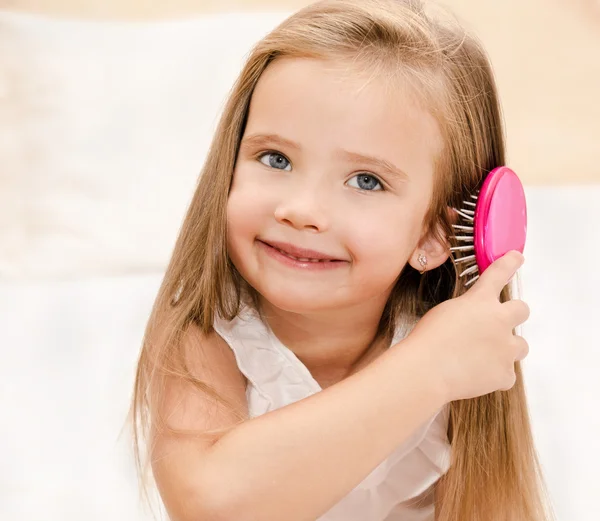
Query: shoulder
[[207, 391], [211, 359]]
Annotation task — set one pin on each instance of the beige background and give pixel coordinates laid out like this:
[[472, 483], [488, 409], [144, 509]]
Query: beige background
[[546, 54], [145, 9]]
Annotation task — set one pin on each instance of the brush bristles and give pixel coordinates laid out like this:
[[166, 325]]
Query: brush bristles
[[462, 248], [469, 282], [468, 258], [464, 215], [463, 228], [470, 270]]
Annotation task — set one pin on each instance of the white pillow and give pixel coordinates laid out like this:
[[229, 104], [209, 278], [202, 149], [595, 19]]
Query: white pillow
[[104, 127]]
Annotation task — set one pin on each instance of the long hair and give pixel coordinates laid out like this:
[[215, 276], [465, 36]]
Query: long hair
[[495, 473]]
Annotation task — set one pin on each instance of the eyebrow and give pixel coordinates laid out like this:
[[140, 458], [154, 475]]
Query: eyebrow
[[264, 140]]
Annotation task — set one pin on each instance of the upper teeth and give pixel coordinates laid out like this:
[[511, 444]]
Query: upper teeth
[[301, 259]]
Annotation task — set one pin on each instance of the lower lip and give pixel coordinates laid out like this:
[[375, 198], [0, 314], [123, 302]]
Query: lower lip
[[294, 263]]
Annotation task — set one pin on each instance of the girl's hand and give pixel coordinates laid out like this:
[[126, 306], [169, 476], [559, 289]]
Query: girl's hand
[[468, 341]]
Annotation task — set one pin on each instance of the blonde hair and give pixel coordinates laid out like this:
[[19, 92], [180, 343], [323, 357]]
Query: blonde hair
[[495, 474]]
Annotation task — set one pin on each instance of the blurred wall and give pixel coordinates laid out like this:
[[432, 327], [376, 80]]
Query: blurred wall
[[546, 54], [142, 9]]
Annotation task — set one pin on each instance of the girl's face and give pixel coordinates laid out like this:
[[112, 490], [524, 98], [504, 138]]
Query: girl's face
[[331, 186]]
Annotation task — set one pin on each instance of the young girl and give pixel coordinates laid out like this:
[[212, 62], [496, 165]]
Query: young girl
[[312, 353]]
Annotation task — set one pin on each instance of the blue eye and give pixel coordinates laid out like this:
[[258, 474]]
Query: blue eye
[[275, 160], [366, 182]]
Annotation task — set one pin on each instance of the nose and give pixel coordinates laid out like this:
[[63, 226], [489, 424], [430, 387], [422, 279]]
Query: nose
[[303, 209]]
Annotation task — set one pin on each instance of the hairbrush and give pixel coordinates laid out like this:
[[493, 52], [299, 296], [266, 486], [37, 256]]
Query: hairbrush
[[492, 223]]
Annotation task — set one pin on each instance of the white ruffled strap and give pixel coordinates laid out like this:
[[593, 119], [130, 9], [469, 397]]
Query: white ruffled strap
[[276, 374]]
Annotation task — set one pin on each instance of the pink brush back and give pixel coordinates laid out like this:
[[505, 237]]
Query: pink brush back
[[500, 223]]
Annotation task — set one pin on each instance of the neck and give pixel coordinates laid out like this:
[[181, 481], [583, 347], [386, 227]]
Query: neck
[[332, 344]]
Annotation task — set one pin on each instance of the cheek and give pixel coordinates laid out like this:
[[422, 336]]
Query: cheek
[[248, 209], [387, 236], [381, 256], [241, 219], [239, 230]]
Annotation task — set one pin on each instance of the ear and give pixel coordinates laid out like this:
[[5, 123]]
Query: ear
[[432, 250]]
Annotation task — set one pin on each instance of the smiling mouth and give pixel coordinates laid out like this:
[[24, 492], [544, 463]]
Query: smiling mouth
[[304, 259], [300, 255]]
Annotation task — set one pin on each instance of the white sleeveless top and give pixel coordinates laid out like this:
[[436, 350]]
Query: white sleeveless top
[[276, 377]]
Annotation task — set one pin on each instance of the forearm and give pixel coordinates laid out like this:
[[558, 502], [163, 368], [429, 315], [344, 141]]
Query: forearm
[[295, 463]]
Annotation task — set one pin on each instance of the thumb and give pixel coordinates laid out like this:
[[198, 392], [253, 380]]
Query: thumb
[[500, 272]]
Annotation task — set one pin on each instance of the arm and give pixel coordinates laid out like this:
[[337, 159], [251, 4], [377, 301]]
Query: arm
[[296, 462]]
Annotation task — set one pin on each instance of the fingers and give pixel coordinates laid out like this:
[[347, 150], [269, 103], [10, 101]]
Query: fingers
[[517, 312], [520, 349], [499, 273]]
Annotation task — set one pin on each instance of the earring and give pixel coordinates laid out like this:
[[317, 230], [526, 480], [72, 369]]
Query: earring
[[423, 262]]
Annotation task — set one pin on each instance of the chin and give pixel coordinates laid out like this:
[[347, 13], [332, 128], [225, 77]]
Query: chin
[[301, 300]]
